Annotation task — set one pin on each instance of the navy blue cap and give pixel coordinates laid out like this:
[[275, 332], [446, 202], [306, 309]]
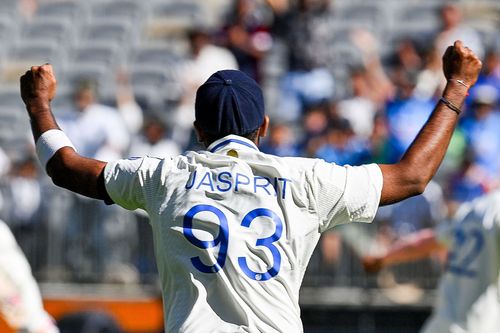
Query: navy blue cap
[[229, 102]]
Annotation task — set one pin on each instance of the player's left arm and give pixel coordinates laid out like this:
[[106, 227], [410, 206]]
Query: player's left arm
[[66, 167]]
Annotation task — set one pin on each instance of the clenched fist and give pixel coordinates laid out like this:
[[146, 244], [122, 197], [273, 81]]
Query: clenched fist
[[38, 85], [460, 63]]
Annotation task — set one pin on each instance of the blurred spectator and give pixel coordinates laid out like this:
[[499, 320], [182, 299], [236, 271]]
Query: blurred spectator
[[315, 125], [153, 141], [100, 132], [377, 87], [481, 128], [205, 59], [24, 207], [304, 27], [406, 57], [247, 36], [359, 110], [430, 79], [96, 130], [453, 29], [491, 71], [126, 104], [280, 142], [342, 146], [379, 140], [27, 8], [466, 184], [23, 195], [406, 115]]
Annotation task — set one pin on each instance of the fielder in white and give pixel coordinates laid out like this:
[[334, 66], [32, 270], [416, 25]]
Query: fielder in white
[[468, 298], [20, 302], [234, 228]]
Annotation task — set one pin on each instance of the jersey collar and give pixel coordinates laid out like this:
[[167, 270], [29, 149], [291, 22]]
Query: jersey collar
[[233, 141]]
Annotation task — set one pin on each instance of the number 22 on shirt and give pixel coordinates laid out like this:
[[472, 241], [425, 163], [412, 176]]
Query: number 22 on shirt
[[222, 240]]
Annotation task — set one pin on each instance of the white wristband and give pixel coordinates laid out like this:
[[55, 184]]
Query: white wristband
[[49, 143]]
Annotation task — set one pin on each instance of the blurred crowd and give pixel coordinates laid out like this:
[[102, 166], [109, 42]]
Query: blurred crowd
[[347, 96]]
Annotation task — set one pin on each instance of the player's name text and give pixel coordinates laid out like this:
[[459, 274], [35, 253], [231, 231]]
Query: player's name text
[[238, 182]]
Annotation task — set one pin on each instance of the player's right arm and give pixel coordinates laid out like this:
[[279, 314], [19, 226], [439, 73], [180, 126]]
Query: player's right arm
[[66, 167], [418, 165], [419, 245]]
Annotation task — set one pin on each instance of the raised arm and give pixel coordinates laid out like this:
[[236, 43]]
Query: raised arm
[[66, 168], [420, 245], [411, 175]]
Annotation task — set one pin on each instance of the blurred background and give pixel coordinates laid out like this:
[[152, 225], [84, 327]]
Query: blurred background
[[348, 81]]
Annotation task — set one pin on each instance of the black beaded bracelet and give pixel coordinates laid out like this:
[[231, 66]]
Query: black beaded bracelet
[[450, 105]]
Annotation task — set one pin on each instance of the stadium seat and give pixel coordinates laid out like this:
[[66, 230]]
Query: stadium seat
[[109, 30], [75, 10], [130, 10], [96, 52], [149, 76], [6, 31], [154, 55], [341, 30], [342, 84], [49, 28], [63, 102], [173, 18], [9, 97], [156, 78], [419, 22], [184, 9], [37, 52], [95, 72], [363, 13], [422, 17], [8, 7], [14, 125], [345, 54]]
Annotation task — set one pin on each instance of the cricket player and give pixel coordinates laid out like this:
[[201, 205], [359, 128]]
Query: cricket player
[[234, 228], [20, 301], [468, 298]]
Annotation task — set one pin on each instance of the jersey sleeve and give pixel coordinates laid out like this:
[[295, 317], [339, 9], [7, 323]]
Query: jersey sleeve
[[346, 194], [128, 181]]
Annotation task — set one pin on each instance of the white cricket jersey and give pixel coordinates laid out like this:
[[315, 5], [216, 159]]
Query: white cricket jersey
[[471, 279], [234, 229]]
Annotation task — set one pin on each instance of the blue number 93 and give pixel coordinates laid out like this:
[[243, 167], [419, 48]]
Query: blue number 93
[[222, 240]]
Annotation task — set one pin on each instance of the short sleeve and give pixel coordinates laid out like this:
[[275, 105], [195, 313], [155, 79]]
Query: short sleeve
[[346, 194], [128, 180]]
